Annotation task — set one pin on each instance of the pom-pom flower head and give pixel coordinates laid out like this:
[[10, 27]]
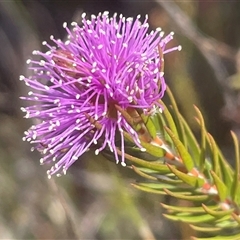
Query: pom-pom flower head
[[80, 86]]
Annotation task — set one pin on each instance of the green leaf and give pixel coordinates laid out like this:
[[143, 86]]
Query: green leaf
[[214, 151], [160, 122], [153, 150], [235, 184], [221, 187], [203, 138], [191, 141], [142, 174], [237, 197], [161, 186], [169, 180], [157, 185], [207, 169], [172, 100], [196, 218], [229, 237], [227, 172], [191, 180], [217, 214], [194, 198], [147, 189], [191, 218], [149, 124], [175, 111], [161, 168], [185, 156], [190, 209], [205, 229], [181, 129], [147, 170], [169, 119], [229, 224]]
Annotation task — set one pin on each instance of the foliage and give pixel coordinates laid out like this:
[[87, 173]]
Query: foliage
[[175, 164]]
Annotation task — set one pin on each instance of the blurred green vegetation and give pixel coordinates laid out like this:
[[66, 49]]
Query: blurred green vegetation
[[95, 199]]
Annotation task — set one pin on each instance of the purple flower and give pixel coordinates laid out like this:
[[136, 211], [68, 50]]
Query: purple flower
[[80, 85]]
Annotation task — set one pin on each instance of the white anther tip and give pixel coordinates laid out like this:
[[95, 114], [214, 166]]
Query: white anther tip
[[64, 25]]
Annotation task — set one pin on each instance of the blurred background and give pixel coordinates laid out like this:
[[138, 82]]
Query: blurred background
[[95, 200]]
